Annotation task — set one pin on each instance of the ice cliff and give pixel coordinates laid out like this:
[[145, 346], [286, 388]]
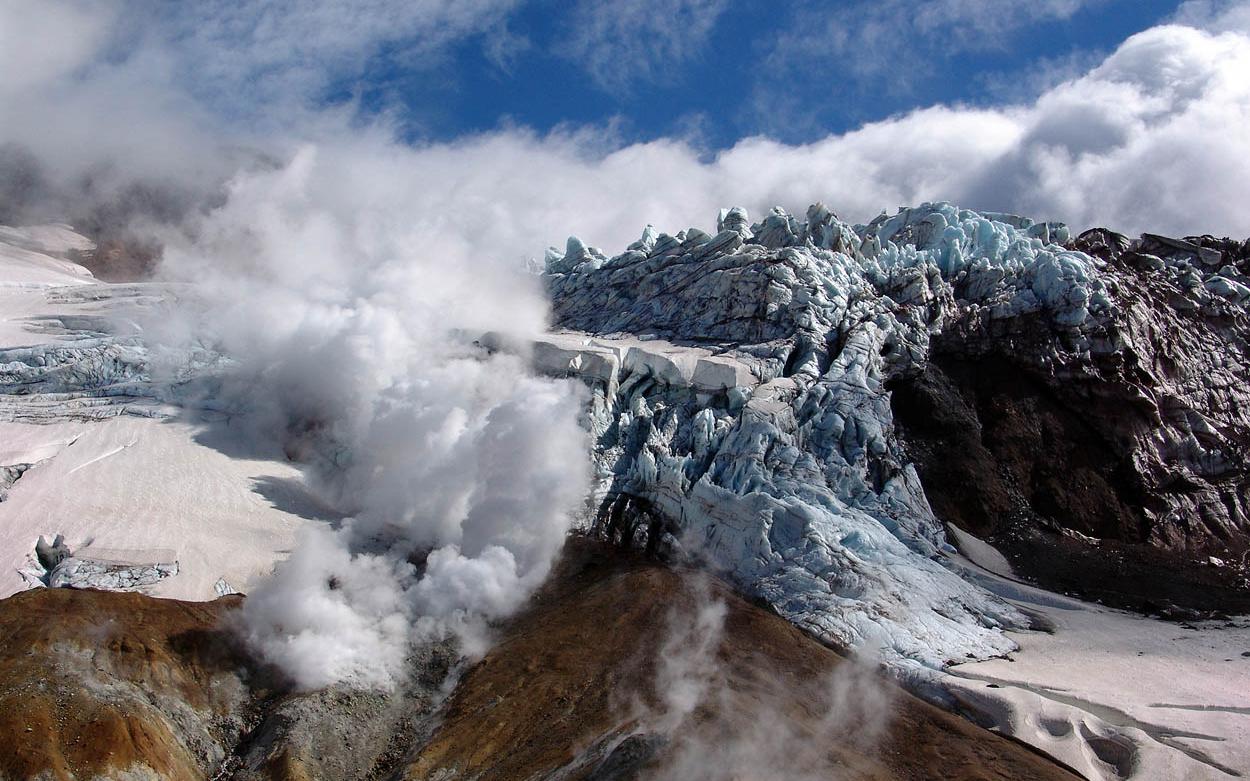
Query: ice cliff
[[742, 395]]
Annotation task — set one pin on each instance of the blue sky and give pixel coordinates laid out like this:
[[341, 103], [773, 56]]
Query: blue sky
[[739, 79]]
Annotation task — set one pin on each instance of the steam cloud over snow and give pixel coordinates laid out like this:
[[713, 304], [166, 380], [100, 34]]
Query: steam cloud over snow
[[350, 324]]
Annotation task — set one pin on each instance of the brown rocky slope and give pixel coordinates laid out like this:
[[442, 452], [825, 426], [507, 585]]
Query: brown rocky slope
[[583, 684]]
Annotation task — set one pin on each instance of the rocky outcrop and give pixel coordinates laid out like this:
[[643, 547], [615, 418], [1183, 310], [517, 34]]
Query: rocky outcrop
[[1178, 377], [99, 685], [56, 566], [1130, 461], [576, 689], [797, 481], [1154, 413]]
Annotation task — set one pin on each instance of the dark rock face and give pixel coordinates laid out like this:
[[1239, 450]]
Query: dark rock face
[[1142, 440], [1176, 392], [1041, 467], [1141, 444]]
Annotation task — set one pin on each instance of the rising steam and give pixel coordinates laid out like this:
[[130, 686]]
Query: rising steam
[[350, 323], [714, 726]]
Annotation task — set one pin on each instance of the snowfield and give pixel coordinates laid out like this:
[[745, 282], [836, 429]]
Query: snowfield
[[1113, 694], [99, 453]]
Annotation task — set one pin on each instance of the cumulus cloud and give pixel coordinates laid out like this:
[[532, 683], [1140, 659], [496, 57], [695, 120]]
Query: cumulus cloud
[[1150, 138]]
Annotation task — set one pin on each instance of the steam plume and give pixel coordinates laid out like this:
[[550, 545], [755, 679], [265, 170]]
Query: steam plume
[[350, 327]]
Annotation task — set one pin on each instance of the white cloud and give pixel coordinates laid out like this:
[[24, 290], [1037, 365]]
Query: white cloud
[[177, 95], [1215, 15], [42, 40], [623, 42], [1151, 139], [892, 43]]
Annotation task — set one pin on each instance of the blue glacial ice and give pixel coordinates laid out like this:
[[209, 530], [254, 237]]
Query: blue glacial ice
[[740, 399]]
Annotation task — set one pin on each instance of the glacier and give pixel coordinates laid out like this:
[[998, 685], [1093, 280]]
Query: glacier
[[741, 399]]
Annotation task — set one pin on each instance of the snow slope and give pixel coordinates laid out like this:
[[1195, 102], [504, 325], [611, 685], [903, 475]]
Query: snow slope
[[1113, 694], [98, 450]]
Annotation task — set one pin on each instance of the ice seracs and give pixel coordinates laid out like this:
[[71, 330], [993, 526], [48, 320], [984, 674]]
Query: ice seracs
[[793, 479], [56, 566]]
